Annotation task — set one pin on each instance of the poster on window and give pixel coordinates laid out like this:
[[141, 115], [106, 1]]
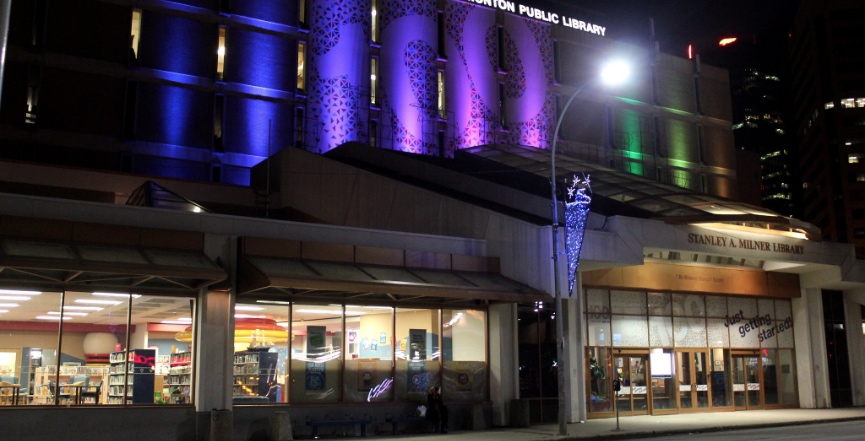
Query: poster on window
[[417, 344], [417, 379], [315, 376], [463, 371], [365, 375], [315, 341]]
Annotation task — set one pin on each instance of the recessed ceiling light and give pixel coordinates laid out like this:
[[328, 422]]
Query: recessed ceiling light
[[115, 294], [249, 316], [175, 322], [22, 298], [3, 310], [52, 317], [273, 302], [248, 308], [83, 308], [18, 291], [8, 305], [80, 314], [98, 302]]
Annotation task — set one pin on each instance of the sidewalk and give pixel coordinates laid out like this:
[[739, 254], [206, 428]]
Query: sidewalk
[[643, 426]]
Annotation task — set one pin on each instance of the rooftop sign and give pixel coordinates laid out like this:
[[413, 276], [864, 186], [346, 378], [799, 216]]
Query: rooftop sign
[[542, 15]]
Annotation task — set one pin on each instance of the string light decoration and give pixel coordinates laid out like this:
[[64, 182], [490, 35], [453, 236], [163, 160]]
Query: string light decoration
[[576, 213]]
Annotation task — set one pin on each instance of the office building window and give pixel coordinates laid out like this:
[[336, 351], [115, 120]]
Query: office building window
[[302, 12], [373, 81], [852, 159], [441, 95], [220, 54], [298, 127], [301, 65], [32, 101], [218, 115], [373, 133], [374, 21], [134, 35]]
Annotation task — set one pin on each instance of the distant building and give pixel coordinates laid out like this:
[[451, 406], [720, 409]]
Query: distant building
[[828, 66]]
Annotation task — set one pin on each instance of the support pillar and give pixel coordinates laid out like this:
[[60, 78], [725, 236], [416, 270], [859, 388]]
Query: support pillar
[[504, 359]]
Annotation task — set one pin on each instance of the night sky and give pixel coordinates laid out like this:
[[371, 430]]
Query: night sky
[[701, 22]]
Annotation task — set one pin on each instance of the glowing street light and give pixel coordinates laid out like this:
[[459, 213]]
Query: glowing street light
[[611, 74]]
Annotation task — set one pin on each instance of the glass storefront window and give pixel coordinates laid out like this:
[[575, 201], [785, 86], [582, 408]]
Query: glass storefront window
[[697, 333], [630, 331], [464, 356], [417, 353], [787, 377], [369, 358], [317, 341], [628, 302], [600, 375], [260, 353], [598, 317], [93, 366]]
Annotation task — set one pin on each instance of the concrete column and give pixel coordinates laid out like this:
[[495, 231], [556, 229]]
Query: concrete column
[[214, 334], [504, 360], [811, 363], [5, 10], [575, 410], [853, 302]]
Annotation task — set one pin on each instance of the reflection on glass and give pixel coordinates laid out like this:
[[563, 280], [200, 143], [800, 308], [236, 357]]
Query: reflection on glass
[[464, 354], [369, 355], [416, 352], [317, 341]]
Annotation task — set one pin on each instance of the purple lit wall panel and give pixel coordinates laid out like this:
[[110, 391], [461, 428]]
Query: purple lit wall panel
[[408, 74], [246, 126], [281, 11], [529, 102], [471, 73], [261, 60], [174, 115], [178, 44], [338, 87]]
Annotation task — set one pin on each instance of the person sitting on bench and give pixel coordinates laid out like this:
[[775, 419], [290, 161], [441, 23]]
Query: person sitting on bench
[[437, 412]]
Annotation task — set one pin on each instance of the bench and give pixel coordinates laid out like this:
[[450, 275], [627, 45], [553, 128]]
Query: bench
[[315, 424], [395, 420]]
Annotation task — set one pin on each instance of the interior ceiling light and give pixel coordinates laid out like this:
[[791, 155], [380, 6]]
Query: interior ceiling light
[[248, 308], [23, 298], [19, 292], [83, 308], [727, 41], [8, 305], [115, 294], [98, 302]]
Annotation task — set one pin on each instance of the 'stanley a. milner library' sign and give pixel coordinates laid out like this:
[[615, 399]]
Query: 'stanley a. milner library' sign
[[542, 15], [745, 244]]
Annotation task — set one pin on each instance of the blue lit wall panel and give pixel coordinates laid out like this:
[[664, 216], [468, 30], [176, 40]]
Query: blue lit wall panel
[[338, 74], [282, 11], [170, 168], [529, 101], [235, 175], [471, 73], [261, 60], [246, 126], [174, 115], [178, 44], [408, 74]]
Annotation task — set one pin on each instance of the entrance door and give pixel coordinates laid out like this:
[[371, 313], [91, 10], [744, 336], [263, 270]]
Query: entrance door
[[692, 375], [747, 382], [634, 397]]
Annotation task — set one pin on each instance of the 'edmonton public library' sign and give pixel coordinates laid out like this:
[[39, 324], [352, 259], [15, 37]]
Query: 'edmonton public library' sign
[[542, 15], [745, 244]]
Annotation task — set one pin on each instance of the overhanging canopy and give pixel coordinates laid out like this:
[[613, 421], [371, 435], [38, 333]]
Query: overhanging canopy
[[71, 266], [317, 281]]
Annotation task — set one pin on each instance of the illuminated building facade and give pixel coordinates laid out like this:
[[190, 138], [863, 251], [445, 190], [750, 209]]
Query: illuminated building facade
[[399, 151]]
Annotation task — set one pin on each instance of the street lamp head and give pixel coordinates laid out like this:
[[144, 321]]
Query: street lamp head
[[615, 73]]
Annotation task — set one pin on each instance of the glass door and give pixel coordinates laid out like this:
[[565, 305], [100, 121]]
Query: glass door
[[747, 382], [692, 375], [634, 398]]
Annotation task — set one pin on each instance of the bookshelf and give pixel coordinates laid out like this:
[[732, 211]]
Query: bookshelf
[[132, 373]]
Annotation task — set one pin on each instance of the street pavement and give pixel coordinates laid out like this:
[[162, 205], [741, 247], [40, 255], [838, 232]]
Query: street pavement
[[635, 427]]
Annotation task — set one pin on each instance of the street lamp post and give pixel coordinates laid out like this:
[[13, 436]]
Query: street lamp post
[[613, 73]]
